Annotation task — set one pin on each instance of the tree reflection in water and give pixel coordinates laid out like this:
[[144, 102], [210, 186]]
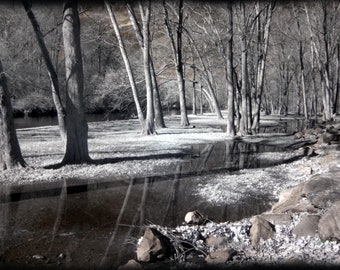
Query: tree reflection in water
[[101, 220]]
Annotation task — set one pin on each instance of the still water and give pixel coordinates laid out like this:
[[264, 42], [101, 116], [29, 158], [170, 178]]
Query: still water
[[74, 223], [288, 125], [28, 122]]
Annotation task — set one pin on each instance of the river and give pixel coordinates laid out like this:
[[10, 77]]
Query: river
[[74, 223]]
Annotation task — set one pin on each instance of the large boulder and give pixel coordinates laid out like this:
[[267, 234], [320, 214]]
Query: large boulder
[[278, 219], [323, 190], [260, 228], [308, 226], [326, 137], [329, 224], [154, 246], [320, 191], [293, 200]]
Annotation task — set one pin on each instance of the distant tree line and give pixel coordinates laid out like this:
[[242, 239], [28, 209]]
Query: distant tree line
[[248, 57]]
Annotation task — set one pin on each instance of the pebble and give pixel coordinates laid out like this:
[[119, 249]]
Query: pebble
[[38, 257]]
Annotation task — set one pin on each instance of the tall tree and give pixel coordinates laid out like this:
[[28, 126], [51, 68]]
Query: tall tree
[[263, 40], [302, 66], [176, 47], [245, 25], [204, 69], [321, 43], [158, 112], [209, 92], [10, 152], [145, 9], [159, 117], [337, 89], [76, 124], [229, 73], [127, 63], [50, 68]]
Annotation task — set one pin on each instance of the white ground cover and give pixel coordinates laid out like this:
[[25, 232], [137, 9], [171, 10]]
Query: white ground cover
[[122, 139], [284, 248], [228, 188], [42, 147]]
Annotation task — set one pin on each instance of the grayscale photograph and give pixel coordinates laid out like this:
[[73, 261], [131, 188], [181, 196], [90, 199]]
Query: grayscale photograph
[[169, 134]]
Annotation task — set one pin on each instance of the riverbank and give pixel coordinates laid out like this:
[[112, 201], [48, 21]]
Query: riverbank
[[121, 151], [300, 230], [122, 154], [293, 241]]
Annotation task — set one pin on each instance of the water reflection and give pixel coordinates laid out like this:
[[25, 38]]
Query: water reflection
[[86, 223], [40, 121]]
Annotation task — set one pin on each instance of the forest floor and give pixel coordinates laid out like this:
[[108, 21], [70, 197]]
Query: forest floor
[[120, 151]]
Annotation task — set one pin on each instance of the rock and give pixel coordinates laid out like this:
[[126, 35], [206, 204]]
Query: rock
[[220, 256], [260, 228], [329, 224], [38, 257], [293, 200], [277, 219], [319, 130], [319, 192], [309, 131], [310, 134], [308, 226], [131, 265], [194, 217], [329, 150], [298, 135], [154, 246], [322, 190], [333, 130], [61, 256], [216, 241], [326, 137]]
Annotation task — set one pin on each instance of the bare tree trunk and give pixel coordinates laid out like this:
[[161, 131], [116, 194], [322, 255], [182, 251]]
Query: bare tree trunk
[[315, 92], [158, 111], [261, 66], [323, 69], [50, 69], [243, 127], [303, 87], [211, 93], [229, 74], [10, 152], [145, 14], [201, 100], [194, 99], [159, 117], [76, 124], [302, 75], [127, 64], [177, 55], [336, 96]]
